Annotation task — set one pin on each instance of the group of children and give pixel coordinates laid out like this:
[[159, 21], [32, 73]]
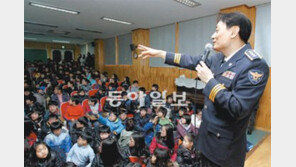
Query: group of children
[[65, 126]]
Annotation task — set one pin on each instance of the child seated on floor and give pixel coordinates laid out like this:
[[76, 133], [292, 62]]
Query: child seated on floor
[[81, 154], [113, 122], [59, 139]]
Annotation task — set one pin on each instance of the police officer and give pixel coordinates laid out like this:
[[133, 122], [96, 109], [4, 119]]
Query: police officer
[[235, 79]]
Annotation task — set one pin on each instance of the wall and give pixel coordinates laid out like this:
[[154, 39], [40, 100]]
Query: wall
[[50, 46], [165, 76]]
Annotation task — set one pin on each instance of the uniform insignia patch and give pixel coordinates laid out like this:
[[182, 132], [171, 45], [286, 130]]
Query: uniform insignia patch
[[229, 74], [252, 54], [255, 76]]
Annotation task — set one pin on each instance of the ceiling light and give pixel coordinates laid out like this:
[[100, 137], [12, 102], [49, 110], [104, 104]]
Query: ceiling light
[[190, 3], [60, 41], [41, 24], [93, 31], [115, 20], [53, 8], [34, 33], [59, 32]]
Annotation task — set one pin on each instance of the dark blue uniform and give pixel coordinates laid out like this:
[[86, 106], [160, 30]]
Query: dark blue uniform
[[230, 97]]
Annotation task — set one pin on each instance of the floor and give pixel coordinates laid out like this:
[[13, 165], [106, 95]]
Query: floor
[[260, 155]]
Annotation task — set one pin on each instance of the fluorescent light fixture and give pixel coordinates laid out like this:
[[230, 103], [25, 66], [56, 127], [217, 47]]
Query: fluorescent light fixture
[[34, 33], [60, 41], [32, 39], [58, 32], [93, 31], [190, 3], [115, 20], [53, 8], [40, 24]]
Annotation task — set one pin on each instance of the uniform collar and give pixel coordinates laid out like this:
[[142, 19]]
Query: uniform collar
[[227, 58]]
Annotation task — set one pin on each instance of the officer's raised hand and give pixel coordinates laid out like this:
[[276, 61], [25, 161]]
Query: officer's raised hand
[[147, 52], [203, 72]]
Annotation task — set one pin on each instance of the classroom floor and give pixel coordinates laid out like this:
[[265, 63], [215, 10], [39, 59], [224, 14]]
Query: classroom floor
[[260, 155]]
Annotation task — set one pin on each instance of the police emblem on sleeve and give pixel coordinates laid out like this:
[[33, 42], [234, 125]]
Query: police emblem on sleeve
[[255, 76]]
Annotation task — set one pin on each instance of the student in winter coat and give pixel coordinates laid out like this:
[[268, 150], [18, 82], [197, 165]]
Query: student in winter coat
[[113, 122], [136, 150], [141, 119], [126, 133], [165, 140], [42, 155], [59, 140], [187, 155], [185, 126]]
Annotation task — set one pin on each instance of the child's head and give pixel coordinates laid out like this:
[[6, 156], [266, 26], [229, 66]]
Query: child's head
[[169, 99], [137, 141], [188, 141], [40, 150], [113, 116], [154, 87], [85, 81], [30, 100], [53, 106], [74, 100], [81, 92], [143, 90], [135, 83], [124, 94], [182, 111], [92, 101], [57, 90], [52, 118], [56, 128], [160, 157], [129, 125], [167, 136], [104, 132], [143, 111], [81, 123], [123, 114], [84, 138], [161, 113], [34, 115], [186, 119]]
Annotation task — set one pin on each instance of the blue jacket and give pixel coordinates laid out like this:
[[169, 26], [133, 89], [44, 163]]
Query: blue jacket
[[61, 144], [141, 121], [65, 98], [150, 132], [230, 97], [114, 126]]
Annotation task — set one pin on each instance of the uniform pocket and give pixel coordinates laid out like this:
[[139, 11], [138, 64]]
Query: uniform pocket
[[219, 142]]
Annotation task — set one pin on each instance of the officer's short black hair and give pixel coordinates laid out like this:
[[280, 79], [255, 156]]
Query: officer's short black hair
[[238, 19], [135, 81]]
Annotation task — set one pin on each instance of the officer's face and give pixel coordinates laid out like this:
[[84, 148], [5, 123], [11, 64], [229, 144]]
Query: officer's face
[[221, 37]]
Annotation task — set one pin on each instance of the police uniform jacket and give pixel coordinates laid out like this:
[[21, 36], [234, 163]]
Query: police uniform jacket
[[230, 97]]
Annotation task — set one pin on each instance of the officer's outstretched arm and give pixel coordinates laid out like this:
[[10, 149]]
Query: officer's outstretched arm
[[241, 100], [176, 59]]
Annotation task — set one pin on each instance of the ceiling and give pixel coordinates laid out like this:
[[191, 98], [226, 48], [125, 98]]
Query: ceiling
[[142, 13]]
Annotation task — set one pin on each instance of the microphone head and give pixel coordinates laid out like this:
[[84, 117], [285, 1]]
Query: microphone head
[[208, 46]]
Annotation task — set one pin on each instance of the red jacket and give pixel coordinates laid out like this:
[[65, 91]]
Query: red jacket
[[74, 112], [155, 145]]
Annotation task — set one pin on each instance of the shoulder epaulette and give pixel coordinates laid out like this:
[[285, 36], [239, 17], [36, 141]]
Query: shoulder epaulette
[[252, 54]]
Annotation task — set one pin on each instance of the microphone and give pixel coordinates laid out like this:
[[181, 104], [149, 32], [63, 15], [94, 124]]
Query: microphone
[[208, 48]]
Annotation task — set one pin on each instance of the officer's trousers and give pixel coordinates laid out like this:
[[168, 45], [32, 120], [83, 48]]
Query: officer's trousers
[[205, 162]]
